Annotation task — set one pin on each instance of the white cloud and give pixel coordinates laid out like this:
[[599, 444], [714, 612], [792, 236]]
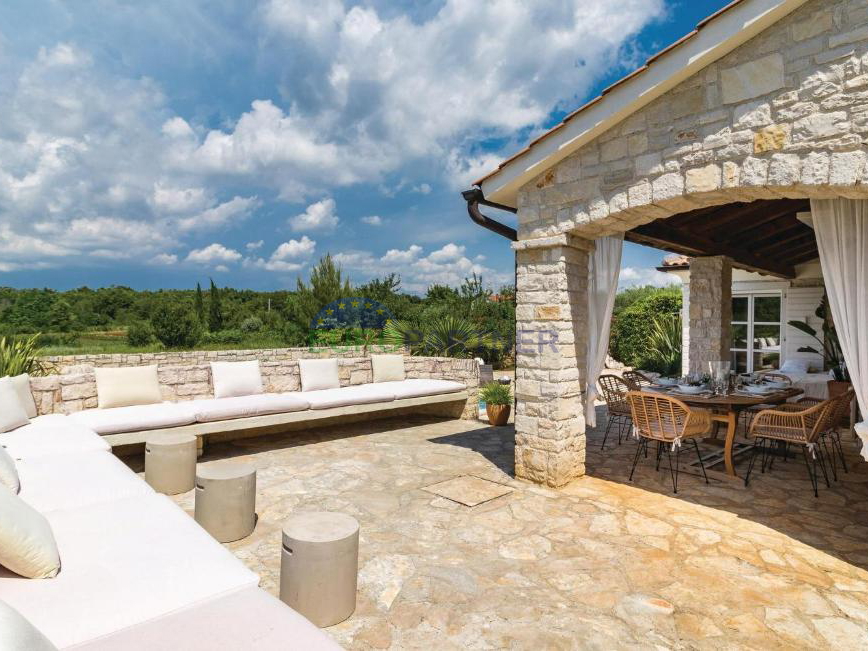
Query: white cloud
[[641, 276], [285, 257], [319, 216], [169, 199], [372, 220], [221, 268], [213, 253], [396, 256], [422, 188], [233, 211], [164, 259], [254, 246]]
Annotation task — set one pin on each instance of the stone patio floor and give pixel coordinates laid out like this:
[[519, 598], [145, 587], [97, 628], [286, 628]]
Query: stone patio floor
[[600, 564]]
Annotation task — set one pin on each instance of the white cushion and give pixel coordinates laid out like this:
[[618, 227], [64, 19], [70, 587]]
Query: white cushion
[[51, 435], [8, 472], [136, 418], [318, 374], [796, 366], [247, 619], [27, 545], [125, 562], [236, 379], [419, 387], [131, 385], [387, 368], [25, 395], [356, 395], [12, 412], [55, 483], [247, 406], [18, 634]]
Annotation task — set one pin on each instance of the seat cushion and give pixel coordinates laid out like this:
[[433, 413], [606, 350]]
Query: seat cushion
[[12, 412], [122, 387], [17, 634], [56, 483], [51, 435], [248, 619], [417, 388], [361, 394], [8, 472], [124, 562], [246, 406], [136, 418], [27, 544]]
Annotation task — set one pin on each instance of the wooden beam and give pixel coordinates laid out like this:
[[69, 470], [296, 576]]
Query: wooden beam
[[692, 243], [790, 241], [771, 232], [752, 214]]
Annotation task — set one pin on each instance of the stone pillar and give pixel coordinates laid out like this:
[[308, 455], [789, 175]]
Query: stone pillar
[[710, 311], [551, 351]]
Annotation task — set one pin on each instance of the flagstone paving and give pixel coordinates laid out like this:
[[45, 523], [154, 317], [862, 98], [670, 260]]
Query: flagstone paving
[[602, 563]]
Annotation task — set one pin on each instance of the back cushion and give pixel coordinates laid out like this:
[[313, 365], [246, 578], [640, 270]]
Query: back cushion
[[27, 545], [25, 396], [8, 472], [12, 412], [18, 634], [318, 374], [388, 368], [122, 387], [236, 379]]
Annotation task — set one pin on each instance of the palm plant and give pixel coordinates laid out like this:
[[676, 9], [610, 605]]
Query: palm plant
[[664, 343], [445, 336], [833, 356], [19, 356]]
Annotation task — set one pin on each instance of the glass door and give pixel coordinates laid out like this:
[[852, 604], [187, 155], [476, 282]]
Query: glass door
[[756, 332]]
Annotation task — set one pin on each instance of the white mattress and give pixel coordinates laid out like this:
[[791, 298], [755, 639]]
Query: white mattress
[[55, 434], [136, 418], [247, 619], [57, 483], [416, 388], [361, 394], [122, 563], [215, 409]]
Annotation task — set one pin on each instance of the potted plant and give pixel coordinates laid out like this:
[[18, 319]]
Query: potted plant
[[833, 356], [498, 402]]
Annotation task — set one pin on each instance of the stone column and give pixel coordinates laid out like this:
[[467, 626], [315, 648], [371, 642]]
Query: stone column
[[551, 351], [710, 311]]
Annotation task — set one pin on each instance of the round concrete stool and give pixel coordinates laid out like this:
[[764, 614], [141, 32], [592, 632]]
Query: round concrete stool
[[170, 463], [226, 500], [319, 566]]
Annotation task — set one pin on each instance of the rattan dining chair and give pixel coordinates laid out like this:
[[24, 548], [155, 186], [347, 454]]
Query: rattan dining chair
[[832, 433], [749, 413], [637, 380], [792, 423], [668, 421], [614, 391]]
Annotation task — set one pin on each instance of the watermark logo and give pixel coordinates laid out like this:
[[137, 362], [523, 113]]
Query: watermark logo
[[354, 321]]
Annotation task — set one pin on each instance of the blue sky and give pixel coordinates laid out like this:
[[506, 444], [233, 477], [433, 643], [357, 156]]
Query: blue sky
[[157, 144]]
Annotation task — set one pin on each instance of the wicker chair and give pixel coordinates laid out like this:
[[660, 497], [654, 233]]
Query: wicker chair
[[832, 433], [637, 380], [668, 421], [749, 413], [792, 423], [614, 391]]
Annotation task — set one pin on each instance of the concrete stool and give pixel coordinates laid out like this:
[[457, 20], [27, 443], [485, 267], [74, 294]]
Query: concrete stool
[[319, 566], [226, 500], [170, 463]]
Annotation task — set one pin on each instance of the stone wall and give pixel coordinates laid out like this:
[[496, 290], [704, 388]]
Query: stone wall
[[784, 115], [75, 388], [709, 312]]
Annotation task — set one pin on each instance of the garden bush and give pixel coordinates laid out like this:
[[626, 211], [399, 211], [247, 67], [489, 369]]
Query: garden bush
[[632, 329], [223, 337], [140, 334], [175, 326], [251, 324]]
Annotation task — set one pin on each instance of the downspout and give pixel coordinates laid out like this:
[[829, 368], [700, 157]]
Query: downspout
[[474, 197]]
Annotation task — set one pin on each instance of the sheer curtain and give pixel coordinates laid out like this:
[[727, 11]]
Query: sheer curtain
[[604, 268], [841, 226]]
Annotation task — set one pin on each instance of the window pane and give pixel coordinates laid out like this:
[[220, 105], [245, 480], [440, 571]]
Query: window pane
[[739, 308], [739, 361], [766, 361], [767, 308], [767, 338], [739, 336]]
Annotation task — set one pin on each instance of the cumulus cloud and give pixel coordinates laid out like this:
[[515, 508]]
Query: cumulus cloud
[[372, 220], [253, 246], [640, 276], [164, 259], [233, 211], [289, 256], [213, 253], [319, 216]]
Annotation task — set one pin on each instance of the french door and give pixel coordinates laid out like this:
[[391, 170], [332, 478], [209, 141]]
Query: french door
[[757, 327]]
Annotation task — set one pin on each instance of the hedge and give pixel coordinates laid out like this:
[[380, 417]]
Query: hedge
[[631, 328]]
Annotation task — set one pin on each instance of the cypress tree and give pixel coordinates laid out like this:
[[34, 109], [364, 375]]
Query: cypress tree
[[200, 304], [215, 310]]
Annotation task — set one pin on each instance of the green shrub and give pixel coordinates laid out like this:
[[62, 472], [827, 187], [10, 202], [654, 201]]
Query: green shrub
[[19, 356], [140, 334], [295, 335], [175, 326], [223, 337], [251, 324], [495, 393], [630, 341], [664, 349]]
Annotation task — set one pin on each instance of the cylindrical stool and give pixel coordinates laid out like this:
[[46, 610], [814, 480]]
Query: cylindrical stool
[[226, 500], [319, 566], [170, 462]]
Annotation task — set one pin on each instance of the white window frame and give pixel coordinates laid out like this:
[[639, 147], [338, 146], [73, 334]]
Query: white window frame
[[750, 323]]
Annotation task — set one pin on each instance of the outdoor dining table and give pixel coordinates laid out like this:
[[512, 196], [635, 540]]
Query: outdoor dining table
[[725, 410]]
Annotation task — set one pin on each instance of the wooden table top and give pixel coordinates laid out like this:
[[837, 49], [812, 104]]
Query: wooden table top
[[733, 400]]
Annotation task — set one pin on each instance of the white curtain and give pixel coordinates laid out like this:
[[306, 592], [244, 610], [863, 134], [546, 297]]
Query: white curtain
[[604, 268], [841, 226]]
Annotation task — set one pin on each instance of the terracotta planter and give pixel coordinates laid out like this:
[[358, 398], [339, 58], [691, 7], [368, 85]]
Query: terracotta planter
[[837, 388], [498, 414]]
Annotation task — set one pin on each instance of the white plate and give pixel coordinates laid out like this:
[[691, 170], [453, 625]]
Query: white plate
[[690, 390]]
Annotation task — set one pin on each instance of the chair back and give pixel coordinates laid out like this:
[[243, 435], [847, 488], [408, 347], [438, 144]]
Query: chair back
[[637, 380], [658, 416], [841, 411], [614, 391], [821, 418]]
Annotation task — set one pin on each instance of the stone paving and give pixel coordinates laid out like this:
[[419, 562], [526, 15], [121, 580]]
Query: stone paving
[[600, 564]]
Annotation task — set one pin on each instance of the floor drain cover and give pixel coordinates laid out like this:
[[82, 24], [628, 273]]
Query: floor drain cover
[[468, 490]]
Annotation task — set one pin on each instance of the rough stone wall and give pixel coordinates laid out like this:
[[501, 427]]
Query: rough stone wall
[[710, 312], [551, 351], [784, 115], [75, 389]]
